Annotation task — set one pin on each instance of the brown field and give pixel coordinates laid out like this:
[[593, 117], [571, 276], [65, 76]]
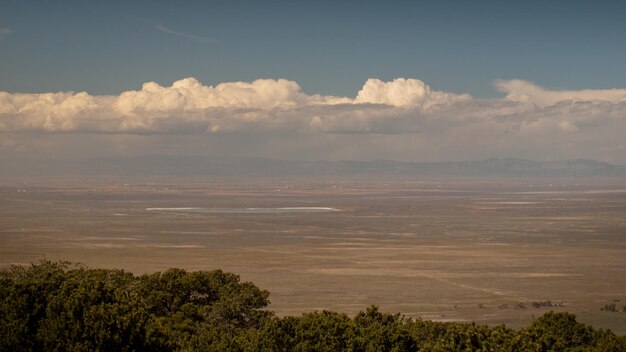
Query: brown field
[[441, 251]]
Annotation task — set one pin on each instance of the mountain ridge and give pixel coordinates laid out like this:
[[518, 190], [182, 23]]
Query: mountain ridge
[[163, 165]]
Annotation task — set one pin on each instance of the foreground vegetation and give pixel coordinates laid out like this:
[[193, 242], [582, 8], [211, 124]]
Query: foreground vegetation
[[63, 306]]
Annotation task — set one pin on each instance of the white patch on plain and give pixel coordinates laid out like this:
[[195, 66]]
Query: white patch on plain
[[280, 210], [510, 203]]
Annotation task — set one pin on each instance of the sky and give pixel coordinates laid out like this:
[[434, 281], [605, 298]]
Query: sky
[[355, 80]]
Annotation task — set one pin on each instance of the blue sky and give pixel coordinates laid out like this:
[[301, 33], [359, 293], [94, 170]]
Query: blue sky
[[328, 47]]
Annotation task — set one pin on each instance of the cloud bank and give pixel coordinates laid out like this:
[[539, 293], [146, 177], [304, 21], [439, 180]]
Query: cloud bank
[[529, 119], [522, 91]]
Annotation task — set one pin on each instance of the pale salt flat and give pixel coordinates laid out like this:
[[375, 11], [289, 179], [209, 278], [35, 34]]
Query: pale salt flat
[[281, 210], [510, 203]]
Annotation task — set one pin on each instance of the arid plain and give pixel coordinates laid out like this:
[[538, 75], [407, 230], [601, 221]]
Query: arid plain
[[487, 251]]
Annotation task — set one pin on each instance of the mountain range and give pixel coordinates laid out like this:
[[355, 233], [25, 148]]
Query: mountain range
[[190, 166]]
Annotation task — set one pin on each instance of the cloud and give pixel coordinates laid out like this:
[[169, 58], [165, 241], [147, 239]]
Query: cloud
[[398, 119], [527, 92], [398, 106], [65, 111], [4, 32], [181, 34], [404, 92]]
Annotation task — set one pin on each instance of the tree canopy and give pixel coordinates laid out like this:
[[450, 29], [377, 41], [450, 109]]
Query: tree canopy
[[61, 306]]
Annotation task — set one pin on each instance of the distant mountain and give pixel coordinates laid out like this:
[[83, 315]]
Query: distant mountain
[[271, 168]]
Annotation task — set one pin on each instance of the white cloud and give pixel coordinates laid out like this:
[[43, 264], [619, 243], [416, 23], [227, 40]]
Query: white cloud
[[403, 118], [527, 92], [404, 92], [188, 95], [48, 112]]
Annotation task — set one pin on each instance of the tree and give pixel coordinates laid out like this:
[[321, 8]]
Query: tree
[[555, 332], [64, 306]]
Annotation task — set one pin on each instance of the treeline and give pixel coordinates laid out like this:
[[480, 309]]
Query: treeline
[[60, 306]]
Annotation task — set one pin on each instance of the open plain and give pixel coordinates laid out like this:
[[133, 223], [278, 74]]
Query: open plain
[[491, 252]]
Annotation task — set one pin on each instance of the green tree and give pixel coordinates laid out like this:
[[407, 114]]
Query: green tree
[[63, 306], [60, 306], [555, 332], [317, 331], [24, 294], [377, 331]]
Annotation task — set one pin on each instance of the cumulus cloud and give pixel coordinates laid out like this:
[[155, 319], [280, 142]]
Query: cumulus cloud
[[528, 118], [402, 92], [230, 106], [398, 106], [49, 111], [188, 95], [527, 92]]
